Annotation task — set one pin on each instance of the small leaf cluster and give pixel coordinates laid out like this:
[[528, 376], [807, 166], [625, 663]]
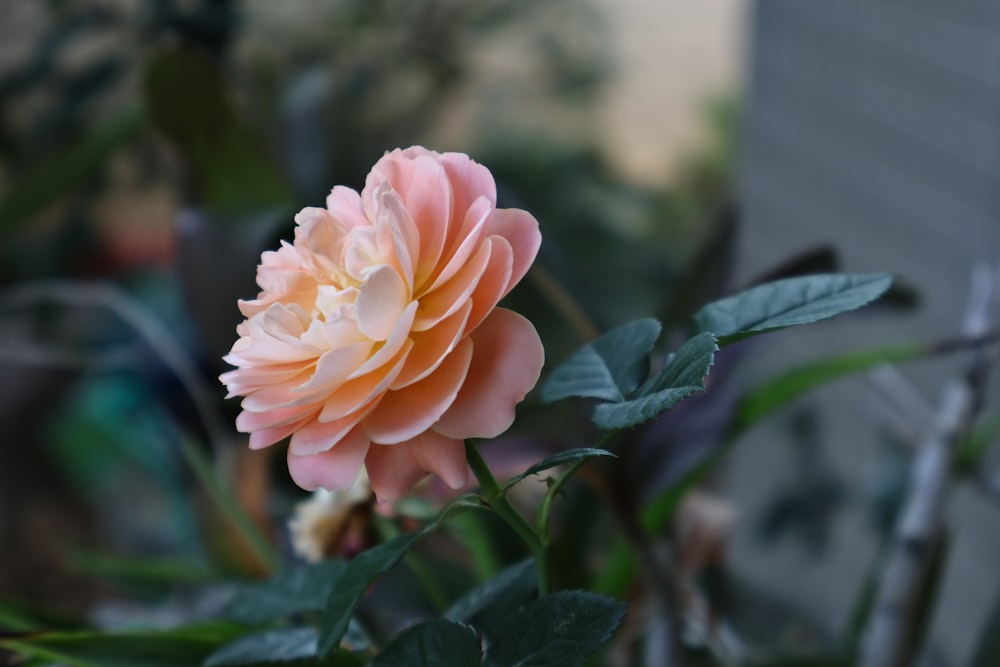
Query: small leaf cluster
[[616, 367]]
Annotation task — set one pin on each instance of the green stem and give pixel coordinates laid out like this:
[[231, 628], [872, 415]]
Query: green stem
[[499, 503]]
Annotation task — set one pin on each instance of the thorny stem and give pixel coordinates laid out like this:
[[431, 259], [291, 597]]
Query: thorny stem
[[499, 503]]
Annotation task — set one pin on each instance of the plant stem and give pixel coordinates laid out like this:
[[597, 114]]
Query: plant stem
[[499, 503]]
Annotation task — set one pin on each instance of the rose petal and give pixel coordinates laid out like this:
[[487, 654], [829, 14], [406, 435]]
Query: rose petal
[[333, 368], [521, 230], [507, 359], [444, 457], [445, 300], [392, 470], [335, 469], [381, 300], [404, 414], [469, 180], [359, 392], [471, 238], [398, 338], [431, 346], [428, 200], [493, 285], [344, 204], [269, 436], [247, 421], [317, 436], [397, 235]]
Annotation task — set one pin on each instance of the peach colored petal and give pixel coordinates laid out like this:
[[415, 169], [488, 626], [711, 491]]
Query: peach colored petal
[[408, 412], [398, 338], [471, 238], [241, 381], [269, 436], [344, 204], [359, 392], [334, 366], [521, 230], [381, 300], [319, 238], [444, 457], [247, 421], [392, 470], [432, 345], [442, 302], [469, 180], [274, 396], [396, 226], [335, 469], [493, 285], [316, 436], [507, 359], [428, 199]]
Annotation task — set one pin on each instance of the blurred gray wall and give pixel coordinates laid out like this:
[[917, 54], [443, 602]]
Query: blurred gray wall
[[872, 125]]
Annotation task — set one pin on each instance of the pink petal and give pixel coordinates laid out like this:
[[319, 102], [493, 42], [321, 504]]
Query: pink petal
[[431, 346], [397, 233], [269, 436], [249, 422], [334, 469], [317, 436], [381, 300], [441, 456], [507, 359], [428, 200], [470, 238], [493, 285], [521, 230], [344, 204], [333, 368], [445, 300], [469, 180], [398, 339], [392, 471], [361, 391], [404, 414]]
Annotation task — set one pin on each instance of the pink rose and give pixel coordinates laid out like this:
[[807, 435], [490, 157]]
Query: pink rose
[[376, 340]]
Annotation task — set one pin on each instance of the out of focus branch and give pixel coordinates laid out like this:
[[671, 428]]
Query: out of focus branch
[[886, 641]]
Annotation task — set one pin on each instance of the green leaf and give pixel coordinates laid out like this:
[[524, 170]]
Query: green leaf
[[683, 375], [303, 588], [352, 584], [609, 367], [568, 456], [275, 647], [187, 101], [270, 646], [433, 644], [26, 617], [558, 629], [788, 302], [165, 570], [487, 604], [44, 183], [183, 647], [765, 398]]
